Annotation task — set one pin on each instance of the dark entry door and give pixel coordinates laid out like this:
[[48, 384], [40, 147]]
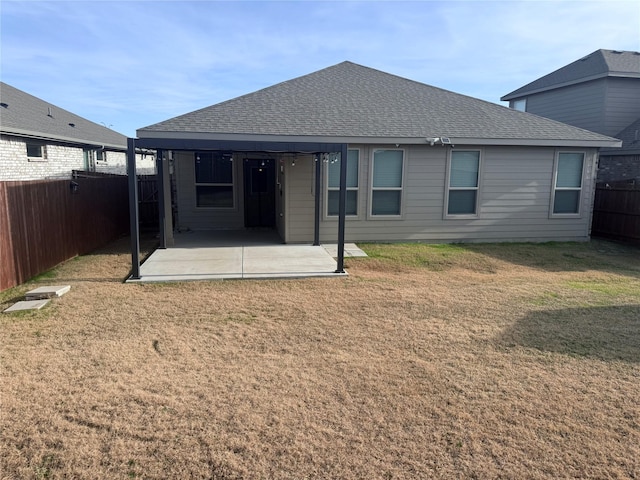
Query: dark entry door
[[259, 193]]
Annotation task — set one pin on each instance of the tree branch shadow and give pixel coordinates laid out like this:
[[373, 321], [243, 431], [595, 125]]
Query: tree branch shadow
[[609, 333]]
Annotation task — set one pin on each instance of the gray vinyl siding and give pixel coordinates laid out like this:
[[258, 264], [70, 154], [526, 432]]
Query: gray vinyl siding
[[514, 201], [580, 105], [299, 199], [622, 104], [194, 218]]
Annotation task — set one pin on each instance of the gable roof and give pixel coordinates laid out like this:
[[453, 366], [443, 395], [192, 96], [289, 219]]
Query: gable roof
[[349, 103], [599, 64], [24, 115], [630, 137]]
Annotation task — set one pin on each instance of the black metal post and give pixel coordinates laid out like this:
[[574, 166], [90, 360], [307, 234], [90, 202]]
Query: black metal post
[[161, 200], [342, 206], [133, 209], [316, 228]]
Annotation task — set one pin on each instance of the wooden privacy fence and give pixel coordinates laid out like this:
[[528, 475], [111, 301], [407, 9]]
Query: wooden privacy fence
[[43, 223], [616, 211]]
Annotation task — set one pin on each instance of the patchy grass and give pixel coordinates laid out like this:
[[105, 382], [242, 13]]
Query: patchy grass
[[428, 361]]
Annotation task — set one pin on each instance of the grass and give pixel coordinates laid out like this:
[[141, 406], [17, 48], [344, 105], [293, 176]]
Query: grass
[[427, 361]]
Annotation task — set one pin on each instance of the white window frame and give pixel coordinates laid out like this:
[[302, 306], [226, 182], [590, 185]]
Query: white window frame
[[477, 188], [204, 184], [555, 188], [400, 215], [38, 158], [329, 188], [96, 156]]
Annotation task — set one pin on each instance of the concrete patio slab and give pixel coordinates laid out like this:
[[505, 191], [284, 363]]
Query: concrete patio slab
[[26, 305], [41, 293], [235, 255], [350, 250]]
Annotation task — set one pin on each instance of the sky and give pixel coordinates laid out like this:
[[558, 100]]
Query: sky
[[130, 64]]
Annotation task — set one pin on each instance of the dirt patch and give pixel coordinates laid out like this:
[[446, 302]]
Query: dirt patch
[[492, 361]]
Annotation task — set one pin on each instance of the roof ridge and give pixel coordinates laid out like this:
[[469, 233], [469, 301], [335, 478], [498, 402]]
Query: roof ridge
[[597, 64]]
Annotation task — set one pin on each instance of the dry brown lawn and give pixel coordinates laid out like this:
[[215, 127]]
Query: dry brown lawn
[[476, 361]]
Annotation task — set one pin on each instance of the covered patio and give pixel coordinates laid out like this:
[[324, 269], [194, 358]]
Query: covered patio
[[219, 255]]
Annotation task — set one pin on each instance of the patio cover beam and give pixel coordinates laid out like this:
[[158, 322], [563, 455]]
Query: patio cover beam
[[239, 146], [316, 217], [134, 223], [342, 206]]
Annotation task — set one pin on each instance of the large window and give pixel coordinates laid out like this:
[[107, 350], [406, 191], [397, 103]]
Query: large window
[[568, 183], [214, 180], [464, 174], [386, 184], [333, 185]]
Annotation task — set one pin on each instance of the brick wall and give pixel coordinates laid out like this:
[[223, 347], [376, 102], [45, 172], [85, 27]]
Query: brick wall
[[617, 168], [59, 161], [117, 164]]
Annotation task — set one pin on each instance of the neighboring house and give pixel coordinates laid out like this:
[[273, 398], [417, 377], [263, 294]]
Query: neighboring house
[[39, 140], [423, 164], [622, 164], [599, 92]]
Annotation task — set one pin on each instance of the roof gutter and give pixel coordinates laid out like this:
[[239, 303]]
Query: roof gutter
[[456, 141], [61, 139]]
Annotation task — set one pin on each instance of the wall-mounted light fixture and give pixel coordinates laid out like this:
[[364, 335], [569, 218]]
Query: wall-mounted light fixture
[[74, 186]]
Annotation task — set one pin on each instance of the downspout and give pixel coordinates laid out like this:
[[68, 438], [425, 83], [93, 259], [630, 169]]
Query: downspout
[[133, 209]]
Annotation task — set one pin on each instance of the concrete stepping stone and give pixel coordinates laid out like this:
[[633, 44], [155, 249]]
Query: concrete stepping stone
[[26, 305], [47, 292]]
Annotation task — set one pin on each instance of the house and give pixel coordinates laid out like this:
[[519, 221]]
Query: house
[[39, 140], [622, 164], [599, 92], [422, 164]]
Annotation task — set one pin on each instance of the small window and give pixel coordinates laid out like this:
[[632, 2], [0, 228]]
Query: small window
[[567, 190], [36, 152], [464, 174], [101, 156], [333, 185], [386, 184], [214, 180], [520, 105]]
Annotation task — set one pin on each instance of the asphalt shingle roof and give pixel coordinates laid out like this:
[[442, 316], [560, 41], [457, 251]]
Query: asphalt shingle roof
[[599, 64], [24, 114], [349, 100]]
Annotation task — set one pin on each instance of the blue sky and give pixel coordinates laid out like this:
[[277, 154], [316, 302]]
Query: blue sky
[[129, 64]]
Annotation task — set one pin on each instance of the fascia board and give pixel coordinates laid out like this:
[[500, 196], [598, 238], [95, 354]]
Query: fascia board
[[613, 143], [150, 135], [555, 86], [62, 139]]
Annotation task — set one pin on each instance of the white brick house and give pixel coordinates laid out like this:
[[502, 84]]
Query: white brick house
[[41, 141]]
